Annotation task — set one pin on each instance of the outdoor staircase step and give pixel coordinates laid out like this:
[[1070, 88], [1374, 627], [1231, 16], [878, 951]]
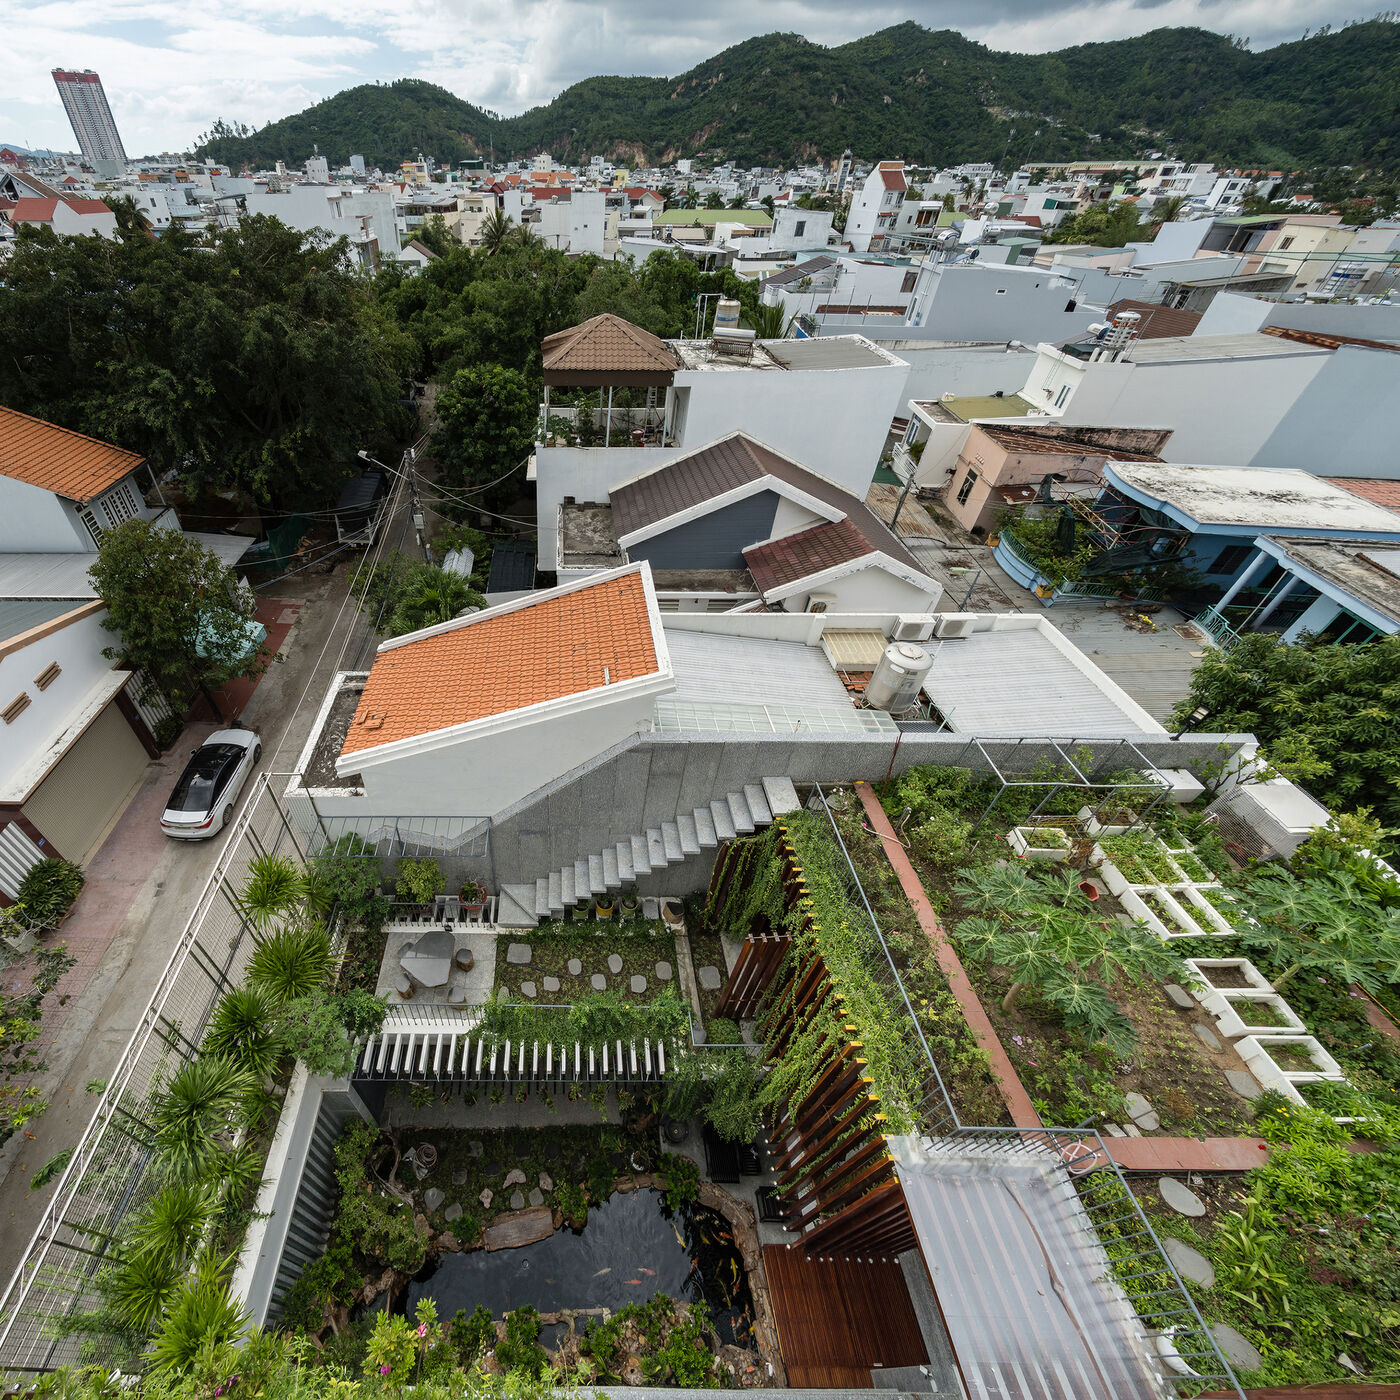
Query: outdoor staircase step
[[705, 829], [542, 897], [656, 849], [567, 893], [612, 878], [758, 803], [641, 861], [516, 907], [582, 885], [781, 795], [724, 820], [622, 854], [685, 827], [671, 842], [597, 879], [556, 893], [739, 811]]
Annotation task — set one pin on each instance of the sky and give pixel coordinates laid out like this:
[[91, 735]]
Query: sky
[[171, 67]]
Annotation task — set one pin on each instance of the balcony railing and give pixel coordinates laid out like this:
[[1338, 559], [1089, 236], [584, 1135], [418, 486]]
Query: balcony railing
[[1213, 623]]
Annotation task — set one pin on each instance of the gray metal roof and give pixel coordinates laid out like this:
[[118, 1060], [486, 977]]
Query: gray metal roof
[[1019, 682], [828, 352], [46, 576], [798, 271], [20, 614], [751, 670]]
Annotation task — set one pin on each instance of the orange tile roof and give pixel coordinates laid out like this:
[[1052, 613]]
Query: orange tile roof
[[1381, 493], [555, 647], [606, 344], [58, 460]]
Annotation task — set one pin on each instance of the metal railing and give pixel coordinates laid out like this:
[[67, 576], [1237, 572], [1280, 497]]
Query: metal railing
[[106, 1177], [1213, 623]]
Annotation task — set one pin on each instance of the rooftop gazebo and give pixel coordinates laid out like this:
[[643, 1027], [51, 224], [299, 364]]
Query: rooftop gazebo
[[607, 353]]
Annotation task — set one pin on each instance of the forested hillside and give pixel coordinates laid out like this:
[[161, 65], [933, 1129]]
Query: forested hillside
[[927, 96]]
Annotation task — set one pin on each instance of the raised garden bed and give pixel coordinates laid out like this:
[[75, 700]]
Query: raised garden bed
[[1042, 844], [707, 950], [640, 943]]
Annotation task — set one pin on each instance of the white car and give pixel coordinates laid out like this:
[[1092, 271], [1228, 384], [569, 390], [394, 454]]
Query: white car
[[202, 803]]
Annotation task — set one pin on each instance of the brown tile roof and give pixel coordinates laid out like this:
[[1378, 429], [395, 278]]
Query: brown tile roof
[[1327, 342], [556, 646], [892, 175], [1059, 447], [606, 344], [734, 461], [780, 562], [1381, 493], [58, 460], [1158, 322]]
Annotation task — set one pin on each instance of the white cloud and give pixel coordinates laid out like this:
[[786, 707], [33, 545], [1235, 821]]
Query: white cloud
[[171, 67]]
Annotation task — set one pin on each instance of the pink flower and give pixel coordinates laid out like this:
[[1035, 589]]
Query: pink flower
[[1016, 1039], [422, 1329], [384, 1370]]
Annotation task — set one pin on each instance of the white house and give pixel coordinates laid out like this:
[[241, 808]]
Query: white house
[[71, 216], [365, 216], [875, 207]]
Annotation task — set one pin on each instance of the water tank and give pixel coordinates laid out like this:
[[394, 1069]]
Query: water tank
[[727, 315], [898, 678]]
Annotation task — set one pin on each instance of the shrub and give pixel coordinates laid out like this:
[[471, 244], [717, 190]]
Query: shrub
[[195, 1111], [291, 963], [312, 1028], [241, 1029], [47, 891], [521, 1350], [471, 1337], [419, 880], [682, 1181], [203, 1320], [377, 1224]]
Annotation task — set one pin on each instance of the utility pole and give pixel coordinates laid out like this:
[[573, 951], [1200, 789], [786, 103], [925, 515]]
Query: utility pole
[[410, 457]]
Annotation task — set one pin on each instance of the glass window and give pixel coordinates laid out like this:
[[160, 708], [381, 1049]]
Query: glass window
[[968, 482], [1231, 558], [799, 228]]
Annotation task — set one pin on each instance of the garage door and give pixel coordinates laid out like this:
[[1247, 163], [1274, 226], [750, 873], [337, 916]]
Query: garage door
[[77, 801]]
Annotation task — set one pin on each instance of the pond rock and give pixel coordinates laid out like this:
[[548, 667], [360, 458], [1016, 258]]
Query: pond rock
[[449, 1242], [527, 989], [433, 1198], [453, 1212], [1243, 1083], [459, 1177], [1239, 1351], [575, 967], [546, 1182], [1190, 1263], [664, 971], [638, 985], [550, 984], [514, 1177], [1181, 1199], [598, 982], [1206, 1036], [536, 1196], [486, 1198], [519, 954], [710, 978], [475, 1148], [1179, 996], [614, 963], [517, 1201]]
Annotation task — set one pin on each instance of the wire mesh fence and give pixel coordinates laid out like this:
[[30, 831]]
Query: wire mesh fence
[[108, 1175]]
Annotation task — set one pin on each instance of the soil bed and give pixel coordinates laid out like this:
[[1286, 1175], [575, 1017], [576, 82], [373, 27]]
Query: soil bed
[[640, 943]]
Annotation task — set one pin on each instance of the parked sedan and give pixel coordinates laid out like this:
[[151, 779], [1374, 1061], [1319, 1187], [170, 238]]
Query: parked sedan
[[202, 802]]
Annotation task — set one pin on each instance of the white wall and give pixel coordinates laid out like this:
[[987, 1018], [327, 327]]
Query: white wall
[[790, 517], [935, 370], [1233, 312], [971, 303], [872, 590], [77, 648], [310, 207], [1174, 240], [35, 521], [940, 455]]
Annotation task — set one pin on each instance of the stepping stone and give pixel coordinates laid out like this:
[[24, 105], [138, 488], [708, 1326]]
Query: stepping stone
[[664, 972], [536, 1197], [1190, 1263], [1239, 1351], [475, 1148], [453, 1212], [638, 985], [486, 1198], [519, 954], [1141, 1112], [527, 989], [1113, 1130], [614, 963], [1130, 1130], [514, 1177], [551, 984], [546, 1182], [575, 968], [517, 1201], [1243, 1083], [710, 979], [1181, 1200], [598, 982], [459, 1177], [1206, 1036], [1179, 996], [433, 1198]]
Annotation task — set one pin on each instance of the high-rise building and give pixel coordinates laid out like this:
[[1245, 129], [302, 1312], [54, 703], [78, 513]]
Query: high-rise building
[[91, 117]]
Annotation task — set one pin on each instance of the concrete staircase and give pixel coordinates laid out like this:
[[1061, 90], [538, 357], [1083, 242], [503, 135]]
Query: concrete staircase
[[673, 842]]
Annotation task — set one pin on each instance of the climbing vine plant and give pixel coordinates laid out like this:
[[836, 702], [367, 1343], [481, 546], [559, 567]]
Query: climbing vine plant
[[806, 897]]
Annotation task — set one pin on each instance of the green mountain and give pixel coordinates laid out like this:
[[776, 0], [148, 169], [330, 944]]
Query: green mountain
[[930, 97]]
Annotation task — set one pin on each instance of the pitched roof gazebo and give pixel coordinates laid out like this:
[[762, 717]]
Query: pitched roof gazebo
[[605, 352]]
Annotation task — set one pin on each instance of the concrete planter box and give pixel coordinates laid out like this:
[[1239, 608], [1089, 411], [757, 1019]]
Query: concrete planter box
[[1213, 996], [1238, 1015], [1038, 843], [1203, 911], [1258, 1051]]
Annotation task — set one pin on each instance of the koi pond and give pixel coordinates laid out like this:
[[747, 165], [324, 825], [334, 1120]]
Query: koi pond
[[632, 1247]]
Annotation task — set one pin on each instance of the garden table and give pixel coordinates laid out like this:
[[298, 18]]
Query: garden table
[[429, 960]]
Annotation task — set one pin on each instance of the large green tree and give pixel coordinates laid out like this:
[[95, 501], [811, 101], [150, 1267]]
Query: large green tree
[[1327, 715], [256, 359], [1107, 225], [487, 415], [178, 612]]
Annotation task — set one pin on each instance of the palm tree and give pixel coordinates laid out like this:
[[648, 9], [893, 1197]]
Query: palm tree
[[1165, 210], [494, 230], [195, 1112], [273, 888], [770, 322], [438, 596], [139, 1290], [242, 1029], [291, 963], [526, 237], [173, 1220]]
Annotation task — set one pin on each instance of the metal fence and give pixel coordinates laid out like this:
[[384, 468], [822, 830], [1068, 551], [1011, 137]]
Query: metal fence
[[107, 1176]]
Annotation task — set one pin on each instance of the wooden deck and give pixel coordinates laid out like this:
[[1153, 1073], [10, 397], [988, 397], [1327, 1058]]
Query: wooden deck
[[839, 1318]]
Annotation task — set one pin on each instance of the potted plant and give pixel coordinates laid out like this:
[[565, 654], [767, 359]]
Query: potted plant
[[603, 907], [473, 899], [420, 882], [629, 903]]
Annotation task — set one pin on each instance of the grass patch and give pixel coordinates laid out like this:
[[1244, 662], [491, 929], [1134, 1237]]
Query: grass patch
[[640, 943]]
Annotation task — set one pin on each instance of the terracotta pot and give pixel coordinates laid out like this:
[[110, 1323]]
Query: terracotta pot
[[1089, 890]]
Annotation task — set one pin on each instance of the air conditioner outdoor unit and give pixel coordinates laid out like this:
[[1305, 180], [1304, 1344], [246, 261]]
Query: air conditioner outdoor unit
[[912, 629], [820, 602], [953, 625]]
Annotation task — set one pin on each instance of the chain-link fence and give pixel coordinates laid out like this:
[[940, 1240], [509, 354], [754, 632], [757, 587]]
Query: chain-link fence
[[107, 1176]]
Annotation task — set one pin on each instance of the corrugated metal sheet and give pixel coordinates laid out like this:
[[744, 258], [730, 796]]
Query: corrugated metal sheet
[[20, 614], [46, 576], [833, 352], [1020, 683], [854, 649], [17, 854], [751, 671]]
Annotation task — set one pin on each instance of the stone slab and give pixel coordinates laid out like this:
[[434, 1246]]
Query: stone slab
[[519, 954], [453, 1212], [1181, 1199], [575, 968], [459, 1177], [525, 1227], [546, 1182], [710, 978], [598, 982], [529, 990], [1243, 1083], [1179, 996], [486, 1197], [1190, 1263], [517, 1200], [1141, 1112], [638, 985], [1206, 1036], [1239, 1351], [664, 971], [550, 984], [433, 1198], [536, 1197], [515, 1177], [476, 1148], [614, 963]]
